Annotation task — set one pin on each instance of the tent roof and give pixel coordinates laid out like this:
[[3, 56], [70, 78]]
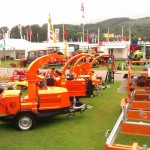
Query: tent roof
[[21, 44], [11, 44], [120, 44]]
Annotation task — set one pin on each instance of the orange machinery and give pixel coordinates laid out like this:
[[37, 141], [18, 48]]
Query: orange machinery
[[58, 57], [138, 90], [135, 107], [77, 86], [127, 127], [84, 70], [75, 79], [46, 101]]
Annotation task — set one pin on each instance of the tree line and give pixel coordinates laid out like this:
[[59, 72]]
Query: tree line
[[139, 29]]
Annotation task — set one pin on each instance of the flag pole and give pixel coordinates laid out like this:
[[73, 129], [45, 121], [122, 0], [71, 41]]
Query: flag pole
[[129, 41], [87, 36], [83, 17], [63, 33], [48, 29], [98, 35], [83, 32], [122, 33], [108, 34]]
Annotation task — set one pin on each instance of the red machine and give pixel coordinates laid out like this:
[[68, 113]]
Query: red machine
[[136, 107], [41, 101], [34, 54]]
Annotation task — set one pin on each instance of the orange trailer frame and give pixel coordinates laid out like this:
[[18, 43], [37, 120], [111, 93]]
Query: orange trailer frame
[[132, 109]]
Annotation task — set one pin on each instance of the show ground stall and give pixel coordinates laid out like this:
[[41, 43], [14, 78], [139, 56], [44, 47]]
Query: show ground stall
[[11, 54], [18, 48], [118, 49], [13, 48]]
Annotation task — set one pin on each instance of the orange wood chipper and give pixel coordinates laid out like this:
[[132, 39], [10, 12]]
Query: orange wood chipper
[[41, 101], [79, 86]]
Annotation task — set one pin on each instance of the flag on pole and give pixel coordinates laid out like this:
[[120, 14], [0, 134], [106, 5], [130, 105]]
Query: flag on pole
[[98, 35], [108, 35], [64, 32], [51, 35], [88, 37], [83, 18], [20, 30], [83, 14], [57, 35], [129, 34], [122, 33], [30, 29], [30, 32], [64, 29], [27, 35]]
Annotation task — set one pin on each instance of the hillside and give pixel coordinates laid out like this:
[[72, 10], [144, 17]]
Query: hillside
[[139, 27]]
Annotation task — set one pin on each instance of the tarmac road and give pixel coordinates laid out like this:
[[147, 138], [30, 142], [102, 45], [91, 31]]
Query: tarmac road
[[118, 76]]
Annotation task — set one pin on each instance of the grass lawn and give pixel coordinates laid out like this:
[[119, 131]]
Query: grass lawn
[[6, 64], [85, 132]]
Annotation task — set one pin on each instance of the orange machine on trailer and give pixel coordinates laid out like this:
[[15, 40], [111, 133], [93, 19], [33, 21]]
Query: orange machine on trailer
[[88, 81], [84, 70], [46, 101], [77, 86]]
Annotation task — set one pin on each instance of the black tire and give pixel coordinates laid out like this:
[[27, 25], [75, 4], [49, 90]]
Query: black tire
[[25, 121]]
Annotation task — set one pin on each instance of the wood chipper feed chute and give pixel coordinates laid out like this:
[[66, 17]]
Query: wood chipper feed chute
[[81, 67], [71, 60]]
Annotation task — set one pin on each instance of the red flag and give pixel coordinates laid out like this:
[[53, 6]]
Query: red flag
[[27, 35], [88, 38], [65, 32], [30, 29]]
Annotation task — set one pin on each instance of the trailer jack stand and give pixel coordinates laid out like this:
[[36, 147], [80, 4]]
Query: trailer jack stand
[[71, 115]]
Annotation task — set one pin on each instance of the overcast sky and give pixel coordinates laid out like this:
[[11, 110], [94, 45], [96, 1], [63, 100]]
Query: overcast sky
[[28, 12]]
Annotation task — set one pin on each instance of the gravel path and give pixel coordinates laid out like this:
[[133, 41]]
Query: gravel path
[[118, 76]]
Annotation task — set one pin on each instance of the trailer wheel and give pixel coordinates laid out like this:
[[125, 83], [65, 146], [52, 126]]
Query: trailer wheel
[[25, 122]]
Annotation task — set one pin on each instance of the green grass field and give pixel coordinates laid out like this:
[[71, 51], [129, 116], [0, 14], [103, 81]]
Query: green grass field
[[85, 132], [6, 64]]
